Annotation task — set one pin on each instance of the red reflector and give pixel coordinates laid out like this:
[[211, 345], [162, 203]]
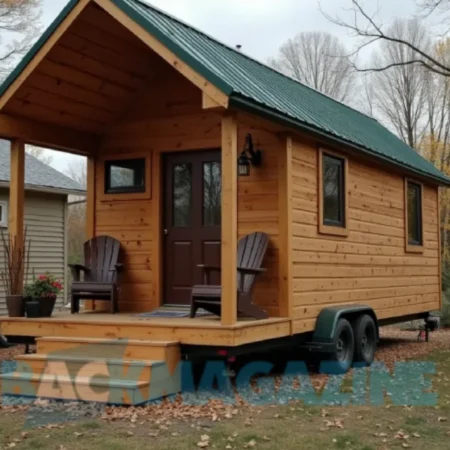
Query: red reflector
[[222, 352], [232, 359]]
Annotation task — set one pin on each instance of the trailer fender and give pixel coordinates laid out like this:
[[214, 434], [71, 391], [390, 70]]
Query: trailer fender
[[328, 319]]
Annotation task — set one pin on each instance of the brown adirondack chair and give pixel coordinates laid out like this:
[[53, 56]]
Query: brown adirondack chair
[[101, 272], [251, 252]]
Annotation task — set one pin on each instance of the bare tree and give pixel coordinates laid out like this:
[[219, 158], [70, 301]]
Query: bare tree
[[368, 30], [367, 101], [399, 93], [318, 60], [77, 170], [40, 153], [76, 223], [19, 26]]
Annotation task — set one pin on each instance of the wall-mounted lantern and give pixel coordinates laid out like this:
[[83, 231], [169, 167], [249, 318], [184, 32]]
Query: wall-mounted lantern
[[248, 156]]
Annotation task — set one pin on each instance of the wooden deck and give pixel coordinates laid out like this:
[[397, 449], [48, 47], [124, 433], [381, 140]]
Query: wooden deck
[[199, 331]]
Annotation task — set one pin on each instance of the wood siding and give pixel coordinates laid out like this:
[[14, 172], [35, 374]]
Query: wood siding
[[370, 265], [45, 221], [259, 207]]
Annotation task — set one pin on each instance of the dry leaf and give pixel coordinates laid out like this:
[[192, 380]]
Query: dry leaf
[[77, 434], [416, 435], [204, 438], [203, 444], [250, 444], [442, 419]]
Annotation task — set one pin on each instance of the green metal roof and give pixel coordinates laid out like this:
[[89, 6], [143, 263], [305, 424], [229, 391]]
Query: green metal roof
[[256, 87]]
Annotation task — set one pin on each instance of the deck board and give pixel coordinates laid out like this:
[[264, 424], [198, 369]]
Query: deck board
[[197, 331]]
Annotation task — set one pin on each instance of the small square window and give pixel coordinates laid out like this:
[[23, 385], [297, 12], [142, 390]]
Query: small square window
[[3, 214], [414, 213], [125, 176]]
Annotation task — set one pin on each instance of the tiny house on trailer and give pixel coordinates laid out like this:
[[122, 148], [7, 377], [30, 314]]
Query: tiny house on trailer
[[191, 146]]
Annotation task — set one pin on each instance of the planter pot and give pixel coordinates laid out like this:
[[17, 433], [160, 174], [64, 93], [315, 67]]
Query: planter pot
[[46, 305], [33, 309], [15, 305]]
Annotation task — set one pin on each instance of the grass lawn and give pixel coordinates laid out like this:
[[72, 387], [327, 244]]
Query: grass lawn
[[292, 426]]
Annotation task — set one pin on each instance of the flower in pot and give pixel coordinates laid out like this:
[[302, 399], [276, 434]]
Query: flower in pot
[[16, 257], [44, 289]]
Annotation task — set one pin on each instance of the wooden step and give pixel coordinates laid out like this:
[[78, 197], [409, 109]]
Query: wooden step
[[125, 349], [57, 383], [123, 392], [143, 370], [120, 371]]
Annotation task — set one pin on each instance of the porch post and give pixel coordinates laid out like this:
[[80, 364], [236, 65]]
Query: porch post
[[90, 210], [90, 197], [229, 219], [17, 196]]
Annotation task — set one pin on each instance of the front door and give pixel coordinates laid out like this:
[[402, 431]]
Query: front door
[[192, 217]]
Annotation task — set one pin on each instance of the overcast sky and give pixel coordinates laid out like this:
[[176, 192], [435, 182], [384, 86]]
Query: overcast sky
[[260, 26]]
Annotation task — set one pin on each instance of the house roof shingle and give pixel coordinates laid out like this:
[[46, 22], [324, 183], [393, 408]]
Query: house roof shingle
[[258, 88], [37, 174]]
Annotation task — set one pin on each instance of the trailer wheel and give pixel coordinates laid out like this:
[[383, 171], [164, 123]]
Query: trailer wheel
[[365, 332], [344, 344]]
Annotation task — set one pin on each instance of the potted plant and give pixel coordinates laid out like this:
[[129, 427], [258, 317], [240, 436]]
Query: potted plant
[[15, 270], [44, 289]]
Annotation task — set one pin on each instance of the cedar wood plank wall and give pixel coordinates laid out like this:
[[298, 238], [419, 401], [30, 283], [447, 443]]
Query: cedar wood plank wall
[[170, 118], [370, 265]]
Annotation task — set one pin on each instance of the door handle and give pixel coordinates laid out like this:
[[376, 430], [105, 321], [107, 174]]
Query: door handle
[[166, 231]]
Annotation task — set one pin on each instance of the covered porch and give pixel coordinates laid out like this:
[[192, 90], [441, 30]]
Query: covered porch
[[102, 86]]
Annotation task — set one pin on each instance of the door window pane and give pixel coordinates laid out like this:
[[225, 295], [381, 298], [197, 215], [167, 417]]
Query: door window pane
[[212, 194], [182, 195], [414, 214], [333, 191]]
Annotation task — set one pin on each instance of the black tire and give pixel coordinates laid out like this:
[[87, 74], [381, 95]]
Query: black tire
[[366, 336], [344, 345]]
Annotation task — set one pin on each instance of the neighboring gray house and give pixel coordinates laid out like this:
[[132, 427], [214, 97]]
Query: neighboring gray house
[[46, 205]]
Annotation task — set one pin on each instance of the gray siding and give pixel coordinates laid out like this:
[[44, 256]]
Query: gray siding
[[45, 216]]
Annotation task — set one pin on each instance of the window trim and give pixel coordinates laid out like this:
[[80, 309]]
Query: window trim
[[116, 195], [4, 220], [411, 247], [323, 228]]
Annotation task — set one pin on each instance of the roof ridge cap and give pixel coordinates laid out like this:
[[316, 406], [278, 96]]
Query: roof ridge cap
[[246, 55]]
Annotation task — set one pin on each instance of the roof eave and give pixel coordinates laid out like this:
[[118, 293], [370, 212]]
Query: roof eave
[[242, 103], [47, 189]]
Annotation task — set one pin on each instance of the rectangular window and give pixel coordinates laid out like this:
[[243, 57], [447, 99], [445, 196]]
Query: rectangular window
[[333, 191], [3, 214], [414, 215], [125, 176], [332, 194]]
